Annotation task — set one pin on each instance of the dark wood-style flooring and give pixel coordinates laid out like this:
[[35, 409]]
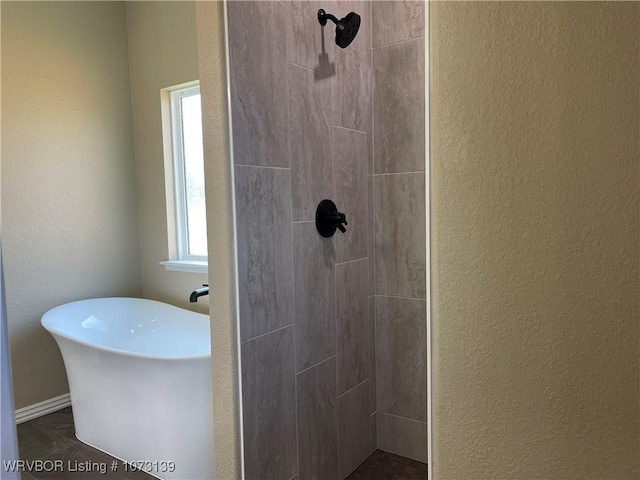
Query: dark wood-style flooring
[[52, 437]]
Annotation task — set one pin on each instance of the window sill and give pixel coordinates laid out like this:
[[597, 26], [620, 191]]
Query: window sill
[[191, 266]]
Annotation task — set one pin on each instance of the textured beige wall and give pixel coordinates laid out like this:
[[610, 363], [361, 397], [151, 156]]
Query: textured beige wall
[[163, 52], [70, 225], [535, 204], [219, 190]]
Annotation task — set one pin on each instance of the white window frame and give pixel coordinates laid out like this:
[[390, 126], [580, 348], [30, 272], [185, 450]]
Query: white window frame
[[174, 165]]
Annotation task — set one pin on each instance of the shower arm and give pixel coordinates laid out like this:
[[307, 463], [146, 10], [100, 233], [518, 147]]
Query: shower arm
[[324, 16]]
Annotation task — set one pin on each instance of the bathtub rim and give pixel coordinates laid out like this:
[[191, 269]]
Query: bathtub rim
[[55, 332]]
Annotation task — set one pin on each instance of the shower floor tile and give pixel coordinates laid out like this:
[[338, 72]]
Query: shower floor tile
[[52, 437], [387, 466]]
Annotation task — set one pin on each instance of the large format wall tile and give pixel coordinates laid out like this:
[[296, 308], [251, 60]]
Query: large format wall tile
[[265, 262], [400, 235], [402, 436], [397, 20], [318, 422], [398, 107], [314, 295], [310, 139], [354, 437], [401, 357], [258, 62], [350, 184], [352, 312], [269, 405], [351, 89]]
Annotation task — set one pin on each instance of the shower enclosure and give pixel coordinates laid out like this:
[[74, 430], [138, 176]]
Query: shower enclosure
[[333, 331]]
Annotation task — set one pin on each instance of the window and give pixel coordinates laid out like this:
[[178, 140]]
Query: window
[[184, 174]]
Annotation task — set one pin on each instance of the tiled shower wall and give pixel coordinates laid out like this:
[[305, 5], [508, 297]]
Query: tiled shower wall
[[303, 124], [399, 227]]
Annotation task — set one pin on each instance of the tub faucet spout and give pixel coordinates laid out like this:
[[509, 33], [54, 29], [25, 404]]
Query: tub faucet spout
[[199, 293]]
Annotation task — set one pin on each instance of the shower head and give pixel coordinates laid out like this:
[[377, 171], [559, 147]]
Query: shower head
[[346, 28]]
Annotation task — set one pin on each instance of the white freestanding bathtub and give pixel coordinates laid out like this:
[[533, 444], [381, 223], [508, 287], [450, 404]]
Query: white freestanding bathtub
[[140, 380]]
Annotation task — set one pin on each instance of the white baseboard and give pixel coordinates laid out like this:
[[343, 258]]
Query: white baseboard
[[43, 408]]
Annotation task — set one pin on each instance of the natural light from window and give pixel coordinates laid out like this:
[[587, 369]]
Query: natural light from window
[[194, 176], [184, 170]]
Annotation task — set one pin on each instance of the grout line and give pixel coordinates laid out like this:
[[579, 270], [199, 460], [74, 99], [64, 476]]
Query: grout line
[[350, 130], [403, 418], [265, 334], [373, 374], [370, 13], [375, 356], [398, 173], [315, 364], [293, 271], [372, 265], [406, 40], [260, 166], [372, 126], [353, 261], [370, 343], [399, 296], [336, 321], [336, 409], [372, 234], [353, 388], [294, 64], [332, 142]]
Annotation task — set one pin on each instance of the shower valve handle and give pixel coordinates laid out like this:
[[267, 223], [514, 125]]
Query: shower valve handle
[[328, 219], [338, 219]]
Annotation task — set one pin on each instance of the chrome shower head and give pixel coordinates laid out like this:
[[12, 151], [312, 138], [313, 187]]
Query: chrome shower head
[[346, 28]]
